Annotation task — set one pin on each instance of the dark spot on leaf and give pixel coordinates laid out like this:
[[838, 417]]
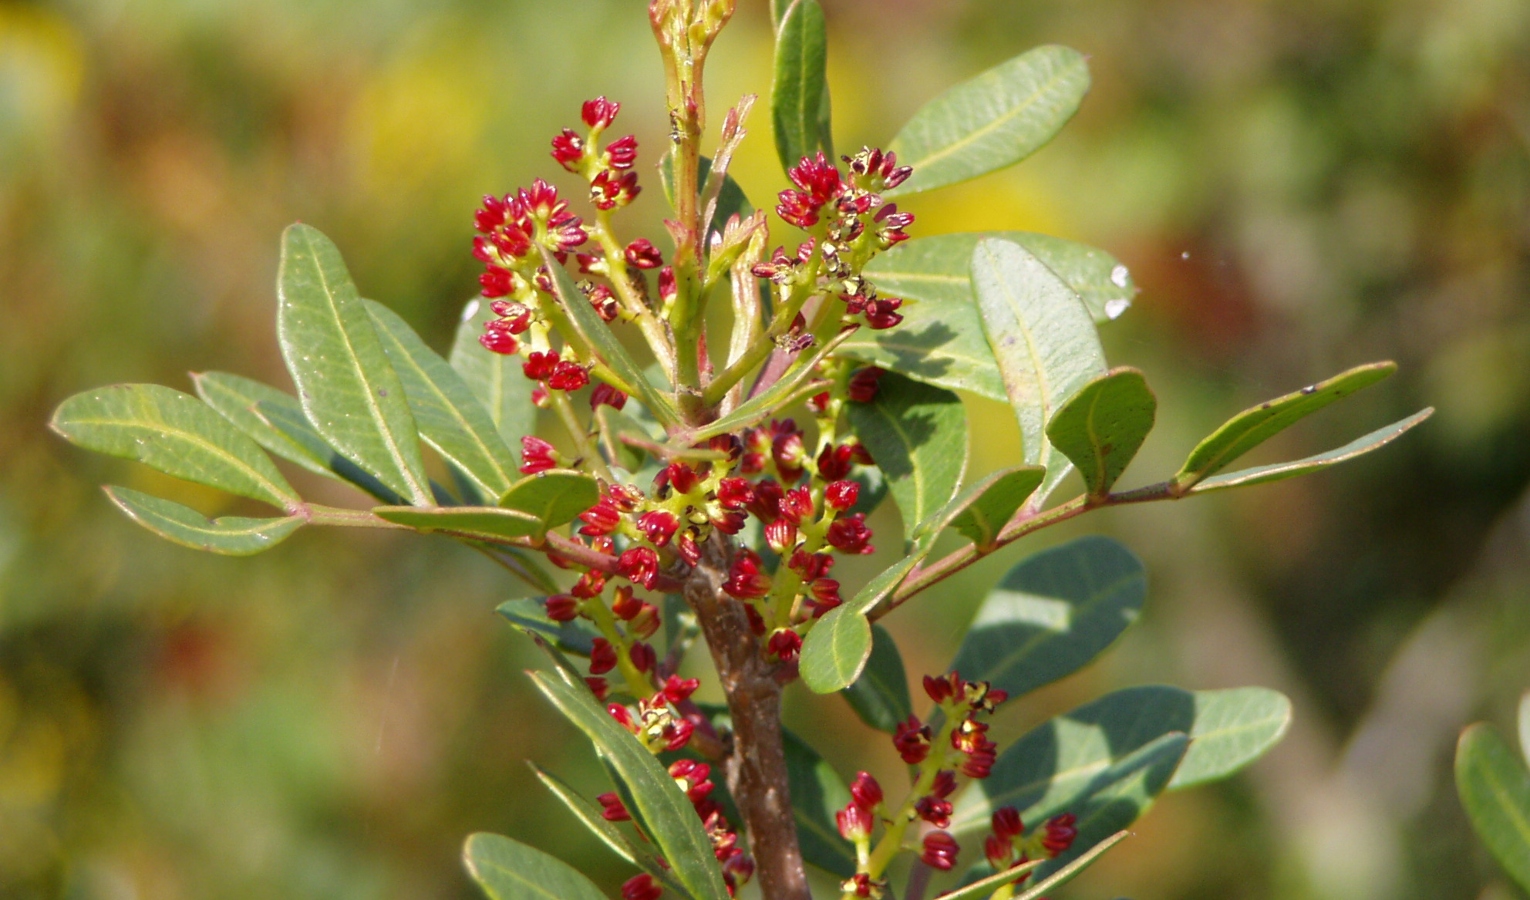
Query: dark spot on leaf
[[381, 392], [1106, 448]]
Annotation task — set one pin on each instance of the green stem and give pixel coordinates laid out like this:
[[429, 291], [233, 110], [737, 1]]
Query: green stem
[[580, 435]]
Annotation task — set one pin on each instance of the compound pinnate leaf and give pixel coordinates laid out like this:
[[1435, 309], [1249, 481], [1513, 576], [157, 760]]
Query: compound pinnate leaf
[[800, 86], [554, 497], [671, 819], [880, 695], [1052, 614], [510, 870], [917, 434], [1252, 427], [348, 390], [175, 433], [992, 121], [494, 378], [994, 501], [239, 399], [449, 416], [1280, 471], [817, 792], [1102, 426], [484, 523], [1043, 341], [530, 615], [1495, 789], [608, 832], [229, 536]]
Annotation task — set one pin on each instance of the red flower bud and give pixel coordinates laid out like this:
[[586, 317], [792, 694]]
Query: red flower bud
[[658, 526], [940, 850], [1007, 824], [600, 112], [537, 455], [568, 376], [797, 505], [689, 550], [639, 565], [854, 822], [677, 690], [849, 534], [602, 656], [607, 395], [612, 809], [622, 154], [766, 504], [863, 384], [540, 365], [734, 493], [785, 643], [834, 462], [597, 686], [934, 810], [681, 477], [912, 741], [499, 341], [781, 535], [642, 254], [866, 791], [745, 580], [641, 887], [568, 150], [841, 495], [942, 688], [562, 608], [1058, 833], [643, 657]]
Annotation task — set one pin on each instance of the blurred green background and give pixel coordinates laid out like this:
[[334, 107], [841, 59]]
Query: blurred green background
[[1297, 187]]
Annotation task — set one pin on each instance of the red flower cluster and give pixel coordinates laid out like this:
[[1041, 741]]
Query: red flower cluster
[[1005, 849]]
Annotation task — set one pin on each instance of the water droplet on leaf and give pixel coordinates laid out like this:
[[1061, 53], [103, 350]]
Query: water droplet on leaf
[[470, 311], [1114, 308], [1118, 277]]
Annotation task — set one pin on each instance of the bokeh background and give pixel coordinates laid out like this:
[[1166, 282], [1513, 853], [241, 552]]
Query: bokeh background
[[1297, 187]]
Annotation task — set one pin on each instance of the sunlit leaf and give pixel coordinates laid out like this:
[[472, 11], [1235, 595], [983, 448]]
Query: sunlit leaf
[[510, 870], [229, 536], [450, 418], [348, 390], [554, 497], [672, 821], [817, 792], [1254, 426], [1043, 341], [917, 434], [880, 695], [494, 378], [798, 91], [1495, 789], [175, 433], [1279, 471], [994, 501], [1101, 427], [1231, 729], [609, 834], [484, 523], [992, 121]]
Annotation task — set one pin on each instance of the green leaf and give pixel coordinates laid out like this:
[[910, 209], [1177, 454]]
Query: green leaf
[[918, 436], [529, 614], [1073, 869], [609, 834], [483, 523], [1043, 341], [992, 121], [880, 695], [347, 388], [1495, 789], [510, 870], [229, 536], [672, 821], [1052, 614], [554, 497], [175, 433], [777, 11], [1254, 426], [994, 501], [817, 792], [836, 650], [612, 425], [1102, 426], [1280, 471], [494, 378], [238, 399], [449, 416], [731, 200], [794, 386], [1063, 759], [797, 94]]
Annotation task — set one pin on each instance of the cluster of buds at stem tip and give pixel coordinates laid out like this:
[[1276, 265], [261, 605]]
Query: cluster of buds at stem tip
[[1008, 846]]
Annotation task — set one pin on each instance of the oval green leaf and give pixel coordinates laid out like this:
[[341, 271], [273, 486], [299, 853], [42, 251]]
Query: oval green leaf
[[880, 695], [994, 501], [482, 523], [836, 650], [175, 433], [510, 870], [1254, 426], [992, 121], [1495, 789], [917, 434], [612, 836], [1101, 428], [347, 388], [228, 536], [1052, 614], [817, 792], [554, 497], [494, 378], [798, 95], [1280, 471], [671, 819], [446, 411], [1043, 341]]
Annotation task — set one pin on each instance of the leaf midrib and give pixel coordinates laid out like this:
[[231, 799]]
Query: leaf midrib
[[1043, 383], [1042, 636]]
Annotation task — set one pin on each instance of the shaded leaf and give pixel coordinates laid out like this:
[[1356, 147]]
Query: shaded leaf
[[880, 695], [1102, 426], [612, 424], [449, 416], [494, 378], [554, 497], [608, 832], [1495, 789], [1043, 341], [992, 121], [1280, 471], [348, 390], [817, 792], [917, 434], [797, 95], [229, 536], [873, 490], [994, 501], [510, 870], [530, 614], [1254, 426], [836, 650], [1052, 614], [175, 433], [672, 822], [485, 523]]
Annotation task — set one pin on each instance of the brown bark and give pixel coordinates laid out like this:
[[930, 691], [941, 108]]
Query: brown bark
[[756, 769]]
